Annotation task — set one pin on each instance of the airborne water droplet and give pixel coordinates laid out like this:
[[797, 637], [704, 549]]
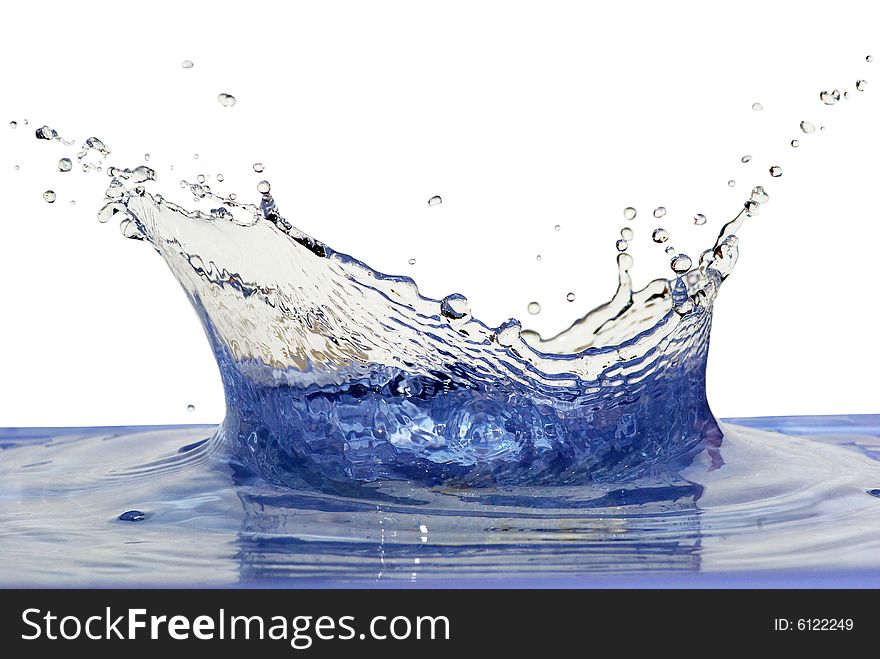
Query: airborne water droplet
[[626, 233], [557, 228], [570, 297], [436, 200], [680, 264], [869, 58], [534, 308], [660, 211], [660, 235], [190, 408], [538, 257], [264, 187], [147, 157], [670, 249], [776, 171], [861, 85], [13, 124], [757, 107], [220, 178], [699, 219], [622, 245], [829, 98], [45, 133], [746, 159], [629, 213], [200, 178], [412, 261], [759, 195], [226, 100], [64, 165], [795, 143], [49, 196], [258, 167], [731, 183], [187, 64]]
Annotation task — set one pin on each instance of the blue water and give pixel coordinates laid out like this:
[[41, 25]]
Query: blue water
[[758, 508], [340, 377]]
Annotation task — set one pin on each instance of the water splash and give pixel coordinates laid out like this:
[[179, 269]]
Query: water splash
[[338, 376]]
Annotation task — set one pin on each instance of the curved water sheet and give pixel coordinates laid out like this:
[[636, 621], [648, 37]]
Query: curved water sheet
[[760, 506], [338, 376]]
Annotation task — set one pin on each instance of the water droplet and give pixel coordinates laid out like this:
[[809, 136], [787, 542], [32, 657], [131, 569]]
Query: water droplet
[[757, 107], [72, 202], [45, 133], [846, 94], [454, 306], [264, 187], [64, 165], [187, 64], [436, 200], [570, 297], [680, 264], [731, 183], [621, 245], [874, 492], [13, 124], [49, 196], [147, 157], [557, 228], [200, 178], [629, 213], [412, 261], [829, 98], [795, 143], [670, 249], [861, 85], [226, 100], [190, 408], [776, 171], [534, 308], [660, 235], [759, 195], [660, 211], [132, 516], [258, 167], [221, 178], [626, 233], [746, 159], [538, 257], [869, 58], [821, 127], [195, 156], [699, 219]]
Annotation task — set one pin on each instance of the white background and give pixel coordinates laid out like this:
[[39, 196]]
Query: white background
[[520, 115]]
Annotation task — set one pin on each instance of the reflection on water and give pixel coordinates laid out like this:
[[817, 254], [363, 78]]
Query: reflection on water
[[760, 502]]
